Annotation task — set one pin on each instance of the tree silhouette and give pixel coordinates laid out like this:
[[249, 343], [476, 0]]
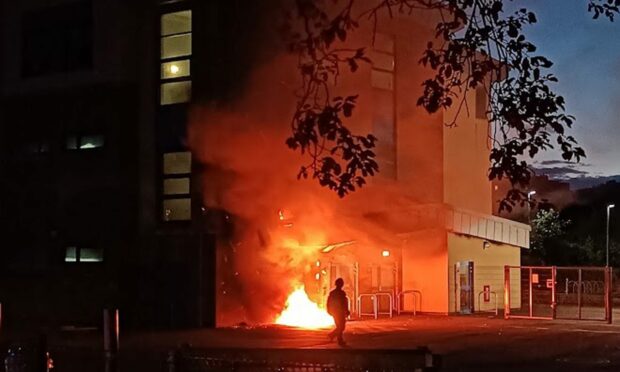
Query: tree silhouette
[[477, 44]]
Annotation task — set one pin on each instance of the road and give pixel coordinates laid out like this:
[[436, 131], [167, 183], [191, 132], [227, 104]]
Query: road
[[474, 343]]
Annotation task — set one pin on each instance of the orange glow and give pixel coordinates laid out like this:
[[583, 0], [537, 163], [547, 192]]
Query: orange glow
[[301, 312]]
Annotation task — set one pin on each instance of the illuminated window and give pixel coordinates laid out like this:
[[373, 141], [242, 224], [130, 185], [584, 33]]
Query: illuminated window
[[176, 186], [86, 142], [81, 254], [176, 92], [175, 69], [176, 50], [176, 23], [177, 163], [177, 209], [176, 191]]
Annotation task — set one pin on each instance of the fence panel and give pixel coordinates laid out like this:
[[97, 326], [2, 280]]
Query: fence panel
[[580, 293]]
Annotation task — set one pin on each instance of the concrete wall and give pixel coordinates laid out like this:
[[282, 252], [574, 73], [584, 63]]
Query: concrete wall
[[424, 259], [488, 268], [466, 149]]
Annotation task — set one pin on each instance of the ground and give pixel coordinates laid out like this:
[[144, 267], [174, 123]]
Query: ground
[[474, 343]]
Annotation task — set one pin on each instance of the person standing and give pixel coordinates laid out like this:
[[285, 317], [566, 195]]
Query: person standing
[[338, 308]]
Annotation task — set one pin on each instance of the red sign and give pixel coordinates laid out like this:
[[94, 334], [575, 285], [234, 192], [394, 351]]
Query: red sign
[[487, 293], [549, 283]]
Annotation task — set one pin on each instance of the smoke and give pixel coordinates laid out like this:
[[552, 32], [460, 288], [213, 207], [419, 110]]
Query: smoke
[[251, 174], [281, 224]]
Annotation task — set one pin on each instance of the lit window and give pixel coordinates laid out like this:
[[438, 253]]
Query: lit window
[[176, 186], [78, 254], [177, 162], [84, 142], [177, 209], [71, 254], [176, 23], [91, 255], [176, 46], [91, 142], [176, 92], [175, 51], [175, 69]]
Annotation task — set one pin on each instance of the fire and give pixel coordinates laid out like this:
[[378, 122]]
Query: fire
[[301, 312]]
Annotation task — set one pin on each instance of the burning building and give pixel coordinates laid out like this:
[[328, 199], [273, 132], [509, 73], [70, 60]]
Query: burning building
[[169, 127], [423, 224]]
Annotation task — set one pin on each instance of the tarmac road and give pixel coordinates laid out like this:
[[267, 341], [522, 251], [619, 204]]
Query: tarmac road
[[466, 343]]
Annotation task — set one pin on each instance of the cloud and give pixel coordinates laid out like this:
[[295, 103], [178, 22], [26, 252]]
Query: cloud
[[564, 163], [561, 173]]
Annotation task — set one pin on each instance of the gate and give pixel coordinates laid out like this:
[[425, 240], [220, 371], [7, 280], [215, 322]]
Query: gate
[[550, 292]]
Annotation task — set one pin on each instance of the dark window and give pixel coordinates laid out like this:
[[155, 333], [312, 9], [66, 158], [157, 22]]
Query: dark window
[[57, 39]]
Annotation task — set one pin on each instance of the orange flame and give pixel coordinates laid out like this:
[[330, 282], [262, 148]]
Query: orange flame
[[301, 312]]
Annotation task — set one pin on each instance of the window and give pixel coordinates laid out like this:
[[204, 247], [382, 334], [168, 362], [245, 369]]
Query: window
[[175, 54], [177, 209], [85, 142], [177, 163], [382, 57], [82, 254], [383, 123], [57, 39], [37, 147], [175, 92], [176, 190]]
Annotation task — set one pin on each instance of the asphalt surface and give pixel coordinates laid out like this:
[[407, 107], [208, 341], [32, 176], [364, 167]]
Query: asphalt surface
[[473, 343]]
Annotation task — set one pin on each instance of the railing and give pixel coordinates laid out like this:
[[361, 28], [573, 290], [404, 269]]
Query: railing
[[374, 297], [494, 294], [390, 312], [294, 360], [400, 300]]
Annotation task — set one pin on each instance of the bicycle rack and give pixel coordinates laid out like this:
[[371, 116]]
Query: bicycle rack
[[400, 299], [373, 298], [390, 303], [490, 293]]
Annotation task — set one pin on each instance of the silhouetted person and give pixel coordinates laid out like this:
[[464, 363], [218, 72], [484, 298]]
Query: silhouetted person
[[338, 308]]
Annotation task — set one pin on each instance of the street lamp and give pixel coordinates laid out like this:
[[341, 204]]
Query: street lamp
[[609, 206], [529, 208]]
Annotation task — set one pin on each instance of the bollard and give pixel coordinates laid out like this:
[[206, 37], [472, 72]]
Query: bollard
[[111, 339], [171, 360]]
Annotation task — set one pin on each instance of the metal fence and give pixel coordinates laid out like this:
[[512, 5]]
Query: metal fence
[[298, 360], [550, 292]]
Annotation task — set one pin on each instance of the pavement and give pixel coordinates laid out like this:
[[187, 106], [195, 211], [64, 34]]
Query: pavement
[[465, 343]]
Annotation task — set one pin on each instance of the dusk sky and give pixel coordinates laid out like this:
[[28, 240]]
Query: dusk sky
[[586, 56]]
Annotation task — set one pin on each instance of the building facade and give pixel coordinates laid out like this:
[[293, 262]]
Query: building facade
[[103, 201]]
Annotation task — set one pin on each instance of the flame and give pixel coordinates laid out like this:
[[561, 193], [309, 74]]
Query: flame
[[301, 312]]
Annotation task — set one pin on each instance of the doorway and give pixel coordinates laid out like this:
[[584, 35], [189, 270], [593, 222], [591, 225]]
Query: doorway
[[464, 279]]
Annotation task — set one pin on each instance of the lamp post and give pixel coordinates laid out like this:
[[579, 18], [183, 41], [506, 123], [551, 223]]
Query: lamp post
[[529, 208], [609, 207]]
